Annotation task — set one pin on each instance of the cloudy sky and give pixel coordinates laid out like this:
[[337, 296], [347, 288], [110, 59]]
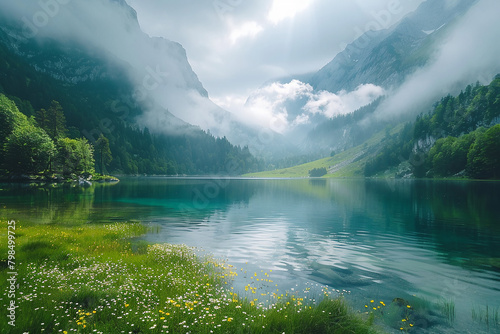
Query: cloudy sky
[[235, 46]]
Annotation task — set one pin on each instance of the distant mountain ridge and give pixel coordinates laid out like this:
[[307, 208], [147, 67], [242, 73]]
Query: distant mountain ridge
[[385, 57]]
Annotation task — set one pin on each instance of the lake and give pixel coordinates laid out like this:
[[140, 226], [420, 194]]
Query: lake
[[435, 243]]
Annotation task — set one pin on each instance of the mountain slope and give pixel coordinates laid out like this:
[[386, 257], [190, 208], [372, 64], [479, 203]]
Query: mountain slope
[[321, 116], [98, 88], [460, 137], [386, 57], [164, 85]]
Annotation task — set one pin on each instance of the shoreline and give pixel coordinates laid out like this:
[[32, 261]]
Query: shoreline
[[58, 179], [97, 272]]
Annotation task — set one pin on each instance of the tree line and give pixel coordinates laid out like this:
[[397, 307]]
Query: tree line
[[134, 150], [460, 136], [38, 144]]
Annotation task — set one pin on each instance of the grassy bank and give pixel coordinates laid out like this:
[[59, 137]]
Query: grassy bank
[[347, 164], [98, 279]]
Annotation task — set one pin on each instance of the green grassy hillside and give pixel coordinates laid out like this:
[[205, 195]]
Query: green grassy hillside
[[348, 164]]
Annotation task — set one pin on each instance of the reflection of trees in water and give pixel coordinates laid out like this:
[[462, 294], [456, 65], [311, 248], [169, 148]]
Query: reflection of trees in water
[[317, 182], [187, 199], [437, 202], [49, 203], [460, 217]]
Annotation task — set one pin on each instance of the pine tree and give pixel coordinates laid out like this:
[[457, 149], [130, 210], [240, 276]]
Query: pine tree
[[103, 152], [52, 121]]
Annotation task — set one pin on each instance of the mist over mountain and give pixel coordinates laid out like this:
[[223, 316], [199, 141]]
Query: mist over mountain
[[464, 52], [113, 79], [385, 57], [81, 42], [436, 50], [164, 83]]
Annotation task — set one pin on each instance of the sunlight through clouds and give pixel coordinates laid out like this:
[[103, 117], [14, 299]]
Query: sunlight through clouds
[[284, 9], [249, 29]]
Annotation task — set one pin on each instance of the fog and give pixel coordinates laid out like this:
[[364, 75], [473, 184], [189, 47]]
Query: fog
[[237, 47], [163, 78], [469, 53]]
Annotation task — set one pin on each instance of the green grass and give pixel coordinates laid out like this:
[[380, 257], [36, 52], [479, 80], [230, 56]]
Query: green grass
[[448, 309], [103, 178], [347, 164], [94, 278], [488, 316]]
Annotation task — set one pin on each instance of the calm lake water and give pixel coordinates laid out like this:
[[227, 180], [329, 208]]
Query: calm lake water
[[431, 243]]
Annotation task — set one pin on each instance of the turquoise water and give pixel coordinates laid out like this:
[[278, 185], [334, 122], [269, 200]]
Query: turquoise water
[[432, 243]]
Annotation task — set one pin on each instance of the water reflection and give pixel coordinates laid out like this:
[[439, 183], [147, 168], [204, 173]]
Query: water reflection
[[49, 203], [378, 239]]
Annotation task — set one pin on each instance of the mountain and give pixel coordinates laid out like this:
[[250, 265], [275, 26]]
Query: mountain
[[82, 40], [386, 57], [113, 79], [459, 137], [333, 109]]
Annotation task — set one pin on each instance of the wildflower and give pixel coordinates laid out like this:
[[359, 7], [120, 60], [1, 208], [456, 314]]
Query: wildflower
[[372, 301], [229, 319]]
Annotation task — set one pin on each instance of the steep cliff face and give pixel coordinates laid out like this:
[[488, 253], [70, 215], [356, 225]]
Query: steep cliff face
[[85, 41], [386, 57]]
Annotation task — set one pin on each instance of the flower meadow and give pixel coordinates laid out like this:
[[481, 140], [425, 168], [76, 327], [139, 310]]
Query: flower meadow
[[101, 278]]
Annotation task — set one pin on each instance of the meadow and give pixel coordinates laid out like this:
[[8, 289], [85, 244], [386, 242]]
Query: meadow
[[102, 278]]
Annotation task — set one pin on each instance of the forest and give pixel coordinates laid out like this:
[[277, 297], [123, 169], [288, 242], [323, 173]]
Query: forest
[[39, 144], [459, 137], [101, 108]]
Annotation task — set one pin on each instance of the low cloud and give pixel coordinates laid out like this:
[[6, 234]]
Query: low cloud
[[164, 83], [468, 54], [266, 107], [331, 105], [277, 93], [282, 107]]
